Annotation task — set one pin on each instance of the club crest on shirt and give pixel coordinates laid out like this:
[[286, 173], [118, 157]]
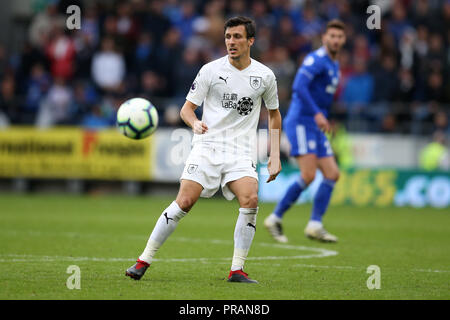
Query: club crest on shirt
[[255, 82]]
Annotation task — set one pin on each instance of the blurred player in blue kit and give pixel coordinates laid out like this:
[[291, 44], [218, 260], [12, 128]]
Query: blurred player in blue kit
[[305, 126]]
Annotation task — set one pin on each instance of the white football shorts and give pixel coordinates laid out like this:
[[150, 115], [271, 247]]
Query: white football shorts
[[213, 168]]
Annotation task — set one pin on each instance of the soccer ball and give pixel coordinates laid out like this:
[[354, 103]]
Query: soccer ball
[[137, 118]]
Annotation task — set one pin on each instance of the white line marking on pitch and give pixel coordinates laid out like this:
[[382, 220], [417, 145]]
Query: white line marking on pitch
[[36, 258], [430, 270], [316, 253]]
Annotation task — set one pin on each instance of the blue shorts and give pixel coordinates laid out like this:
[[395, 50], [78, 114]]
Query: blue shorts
[[305, 137]]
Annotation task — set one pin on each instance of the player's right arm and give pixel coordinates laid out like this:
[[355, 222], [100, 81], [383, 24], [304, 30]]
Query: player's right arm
[[309, 69], [189, 117], [197, 94]]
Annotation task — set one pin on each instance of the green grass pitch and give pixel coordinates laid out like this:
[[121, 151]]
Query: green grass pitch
[[42, 235]]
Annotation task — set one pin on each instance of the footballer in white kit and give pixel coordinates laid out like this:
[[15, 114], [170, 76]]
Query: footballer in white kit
[[231, 106], [223, 153]]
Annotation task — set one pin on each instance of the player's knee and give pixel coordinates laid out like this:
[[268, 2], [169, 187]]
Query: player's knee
[[308, 177], [334, 175], [185, 203], [249, 201]]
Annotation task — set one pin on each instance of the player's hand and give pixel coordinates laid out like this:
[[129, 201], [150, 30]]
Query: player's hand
[[274, 168], [322, 122], [199, 127]]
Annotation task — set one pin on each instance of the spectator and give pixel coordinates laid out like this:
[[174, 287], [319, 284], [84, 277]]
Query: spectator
[[406, 85], [237, 8], [185, 71], [151, 85], [346, 70], [284, 70], [172, 116], [144, 54], [126, 27], [399, 22], [259, 12], [407, 49], [4, 65], [90, 26], [311, 25], [359, 89], [109, 27], [330, 9], [445, 16], [156, 22], [287, 37], [214, 16], [385, 88], [86, 41], [387, 45], [169, 52], [94, 119], [55, 107], [84, 96], [84, 49], [422, 116], [61, 54], [389, 124], [435, 87], [108, 107], [37, 88], [262, 44], [441, 122], [421, 42], [108, 59], [185, 24], [361, 49], [422, 14], [9, 102], [28, 57], [435, 155], [42, 25], [436, 53], [172, 10], [342, 145]]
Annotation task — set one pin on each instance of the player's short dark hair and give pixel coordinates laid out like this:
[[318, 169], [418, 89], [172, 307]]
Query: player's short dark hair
[[335, 24], [249, 24]]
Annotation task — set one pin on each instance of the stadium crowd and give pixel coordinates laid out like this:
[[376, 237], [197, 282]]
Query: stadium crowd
[[395, 79]]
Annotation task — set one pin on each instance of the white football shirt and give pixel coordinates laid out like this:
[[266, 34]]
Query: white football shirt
[[232, 103]]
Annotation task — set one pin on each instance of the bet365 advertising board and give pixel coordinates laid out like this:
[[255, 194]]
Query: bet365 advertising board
[[367, 187], [67, 152]]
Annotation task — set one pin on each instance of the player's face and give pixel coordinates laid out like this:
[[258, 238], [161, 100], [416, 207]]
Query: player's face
[[237, 43], [334, 39]]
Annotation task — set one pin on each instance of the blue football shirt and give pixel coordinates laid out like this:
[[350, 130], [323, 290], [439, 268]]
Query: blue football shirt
[[314, 86]]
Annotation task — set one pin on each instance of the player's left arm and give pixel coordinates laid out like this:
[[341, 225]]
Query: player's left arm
[[270, 97], [274, 164]]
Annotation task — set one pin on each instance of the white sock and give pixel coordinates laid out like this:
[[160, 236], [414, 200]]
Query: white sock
[[274, 218], [314, 224], [243, 236], [164, 227]]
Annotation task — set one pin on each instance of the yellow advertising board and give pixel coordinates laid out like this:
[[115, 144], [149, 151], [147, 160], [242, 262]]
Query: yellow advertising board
[[69, 152]]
